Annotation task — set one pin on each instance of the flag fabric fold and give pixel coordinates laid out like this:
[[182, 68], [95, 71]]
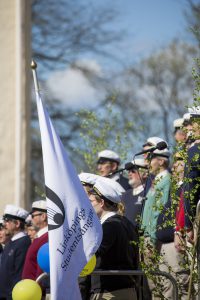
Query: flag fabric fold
[[75, 232]]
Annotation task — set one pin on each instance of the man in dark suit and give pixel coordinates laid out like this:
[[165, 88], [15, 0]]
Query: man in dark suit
[[14, 253], [108, 166]]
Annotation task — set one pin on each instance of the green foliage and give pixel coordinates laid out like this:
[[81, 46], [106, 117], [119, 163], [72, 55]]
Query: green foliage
[[196, 78], [103, 129]]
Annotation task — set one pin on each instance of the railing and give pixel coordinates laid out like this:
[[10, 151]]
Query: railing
[[130, 272]]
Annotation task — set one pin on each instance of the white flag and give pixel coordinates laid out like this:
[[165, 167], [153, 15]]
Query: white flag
[[75, 232]]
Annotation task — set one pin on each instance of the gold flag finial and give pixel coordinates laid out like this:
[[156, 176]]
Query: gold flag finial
[[33, 65]]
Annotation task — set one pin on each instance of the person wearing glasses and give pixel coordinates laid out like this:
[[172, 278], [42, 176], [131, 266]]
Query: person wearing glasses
[[133, 198], [30, 229], [14, 252], [31, 268]]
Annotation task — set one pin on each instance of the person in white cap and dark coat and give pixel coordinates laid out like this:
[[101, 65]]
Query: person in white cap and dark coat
[[39, 220], [108, 166], [133, 201], [14, 253], [117, 250]]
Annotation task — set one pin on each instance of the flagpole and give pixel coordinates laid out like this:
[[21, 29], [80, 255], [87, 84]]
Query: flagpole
[[34, 67]]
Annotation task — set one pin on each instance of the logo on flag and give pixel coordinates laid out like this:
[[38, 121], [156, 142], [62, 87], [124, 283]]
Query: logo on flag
[[57, 215]]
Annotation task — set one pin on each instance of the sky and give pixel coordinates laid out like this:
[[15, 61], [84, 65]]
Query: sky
[[149, 25]]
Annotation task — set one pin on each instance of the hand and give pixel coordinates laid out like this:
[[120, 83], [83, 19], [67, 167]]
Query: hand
[[190, 236], [179, 242]]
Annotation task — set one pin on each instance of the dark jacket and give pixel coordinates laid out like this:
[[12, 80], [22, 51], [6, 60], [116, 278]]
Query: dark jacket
[[12, 262], [133, 206], [116, 252]]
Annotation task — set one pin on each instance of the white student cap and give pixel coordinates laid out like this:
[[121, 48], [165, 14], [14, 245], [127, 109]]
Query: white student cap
[[178, 123], [88, 178], [162, 153], [15, 212], [107, 191], [40, 205], [114, 184], [136, 163], [153, 141], [193, 112], [108, 155], [28, 220]]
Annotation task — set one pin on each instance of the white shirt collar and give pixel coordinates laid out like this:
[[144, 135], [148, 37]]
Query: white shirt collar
[[195, 142], [138, 190], [106, 216], [42, 231], [18, 236], [115, 177], [161, 174]]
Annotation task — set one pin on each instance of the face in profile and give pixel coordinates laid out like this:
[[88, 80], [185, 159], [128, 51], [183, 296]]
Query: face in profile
[[178, 168], [96, 203], [107, 167], [31, 231], [4, 237], [180, 136], [136, 177]]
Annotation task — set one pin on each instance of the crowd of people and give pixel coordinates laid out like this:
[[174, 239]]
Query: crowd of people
[[160, 200], [22, 233], [148, 217]]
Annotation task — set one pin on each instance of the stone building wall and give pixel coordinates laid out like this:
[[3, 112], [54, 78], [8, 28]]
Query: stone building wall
[[15, 102]]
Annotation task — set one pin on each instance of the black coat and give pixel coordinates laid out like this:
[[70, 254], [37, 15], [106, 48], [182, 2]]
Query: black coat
[[12, 262], [116, 252], [133, 206]]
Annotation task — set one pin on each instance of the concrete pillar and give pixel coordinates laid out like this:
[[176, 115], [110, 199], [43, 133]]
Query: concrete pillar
[[15, 102]]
